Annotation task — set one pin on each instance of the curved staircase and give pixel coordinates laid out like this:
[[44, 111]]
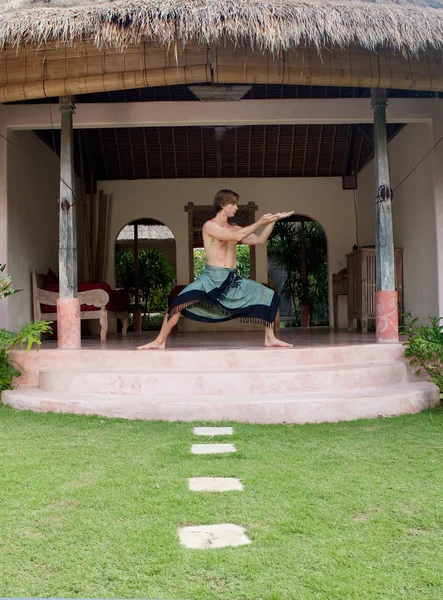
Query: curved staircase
[[256, 385]]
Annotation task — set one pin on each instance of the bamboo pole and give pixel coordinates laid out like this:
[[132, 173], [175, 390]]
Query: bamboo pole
[[92, 226], [101, 235], [86, 212], [106, 82]]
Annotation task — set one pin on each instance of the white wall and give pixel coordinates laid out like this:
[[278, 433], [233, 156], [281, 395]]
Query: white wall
[[413, 216], [164, 200], [33, 183], [32, 190]]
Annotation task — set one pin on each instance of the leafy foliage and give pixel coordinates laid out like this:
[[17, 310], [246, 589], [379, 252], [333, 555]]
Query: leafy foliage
[[26, 337], [6, 288], [155, 277], [7, 371], [424, 347], [284, 246], [243, 259]]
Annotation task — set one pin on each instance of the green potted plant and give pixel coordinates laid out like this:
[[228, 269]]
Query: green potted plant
[[27, 336]]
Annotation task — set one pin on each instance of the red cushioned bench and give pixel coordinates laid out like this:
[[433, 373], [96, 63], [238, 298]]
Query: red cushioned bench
[[98, 301]]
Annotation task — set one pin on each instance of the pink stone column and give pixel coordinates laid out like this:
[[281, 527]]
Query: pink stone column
[[386, 316], [68, 323]]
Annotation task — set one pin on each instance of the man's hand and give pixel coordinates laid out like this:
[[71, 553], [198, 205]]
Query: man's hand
[[284, 215], [267, 219]]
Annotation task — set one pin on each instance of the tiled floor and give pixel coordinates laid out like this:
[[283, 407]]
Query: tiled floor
[[301, 338]]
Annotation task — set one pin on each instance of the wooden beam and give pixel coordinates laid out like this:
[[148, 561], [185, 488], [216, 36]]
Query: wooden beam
[[249, 151], [364, 133], [202, 151], [102, 221], [131, 151], [235, 151], [320, 139], [174, 152], [105, 164], [291, 158], [188, 152], [85, 206], [278, 151], [117, 149], [160, 152], [346, 167], [332, 150], [305, 151], [265, 133], [210, 114], [145, 147], [92, 225]]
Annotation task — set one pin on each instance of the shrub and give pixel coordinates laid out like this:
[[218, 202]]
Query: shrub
[[26, 337], [424, 347]]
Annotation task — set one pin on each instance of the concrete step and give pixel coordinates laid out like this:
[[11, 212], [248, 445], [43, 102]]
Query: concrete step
[[220, 383], [295, 408], [203, 359]]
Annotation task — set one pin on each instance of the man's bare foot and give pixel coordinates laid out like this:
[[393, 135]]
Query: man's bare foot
[[275, 343], [272, 342], [155, 345]]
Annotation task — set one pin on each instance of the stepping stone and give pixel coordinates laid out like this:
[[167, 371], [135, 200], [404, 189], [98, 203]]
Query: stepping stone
[[202, 537], [214, 484], [212, 448], [209, 431]]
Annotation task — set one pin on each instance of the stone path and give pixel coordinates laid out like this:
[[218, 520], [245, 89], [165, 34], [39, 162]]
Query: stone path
[[222, 535], [214, 484], [201, 537], [212, 448], [211, 431]]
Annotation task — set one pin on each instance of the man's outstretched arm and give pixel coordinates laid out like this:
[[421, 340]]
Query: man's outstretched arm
[[231, 234], [255, 239]]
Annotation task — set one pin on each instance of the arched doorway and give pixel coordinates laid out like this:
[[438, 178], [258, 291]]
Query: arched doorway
[[298, 267], [145, 266]]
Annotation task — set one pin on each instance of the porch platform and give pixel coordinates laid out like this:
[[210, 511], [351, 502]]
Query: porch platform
[[327, 376]]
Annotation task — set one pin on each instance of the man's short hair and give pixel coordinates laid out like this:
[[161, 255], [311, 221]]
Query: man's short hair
[[223, 198]]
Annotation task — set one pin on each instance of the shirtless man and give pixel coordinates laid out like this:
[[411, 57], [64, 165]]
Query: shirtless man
[[219, 294]]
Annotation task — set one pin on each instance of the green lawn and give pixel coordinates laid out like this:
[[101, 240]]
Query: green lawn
[[89, 508]]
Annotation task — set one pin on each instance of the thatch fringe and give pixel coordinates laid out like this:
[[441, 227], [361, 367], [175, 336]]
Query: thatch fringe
[[273, 26]]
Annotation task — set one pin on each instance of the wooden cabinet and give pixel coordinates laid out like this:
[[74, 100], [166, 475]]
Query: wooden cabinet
[[361, 286]]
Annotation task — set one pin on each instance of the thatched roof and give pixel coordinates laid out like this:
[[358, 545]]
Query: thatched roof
[[273, 25]]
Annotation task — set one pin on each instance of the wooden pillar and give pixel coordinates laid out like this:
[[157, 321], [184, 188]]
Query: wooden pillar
[[137, 307], [386, 305], [304, 276], [219, 134], [68, 306]]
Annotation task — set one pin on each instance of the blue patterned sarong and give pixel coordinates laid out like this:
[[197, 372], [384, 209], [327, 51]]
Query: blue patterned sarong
[[219, 294]]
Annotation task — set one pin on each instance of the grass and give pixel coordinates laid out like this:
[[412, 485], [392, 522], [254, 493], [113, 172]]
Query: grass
[[89, 508]]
